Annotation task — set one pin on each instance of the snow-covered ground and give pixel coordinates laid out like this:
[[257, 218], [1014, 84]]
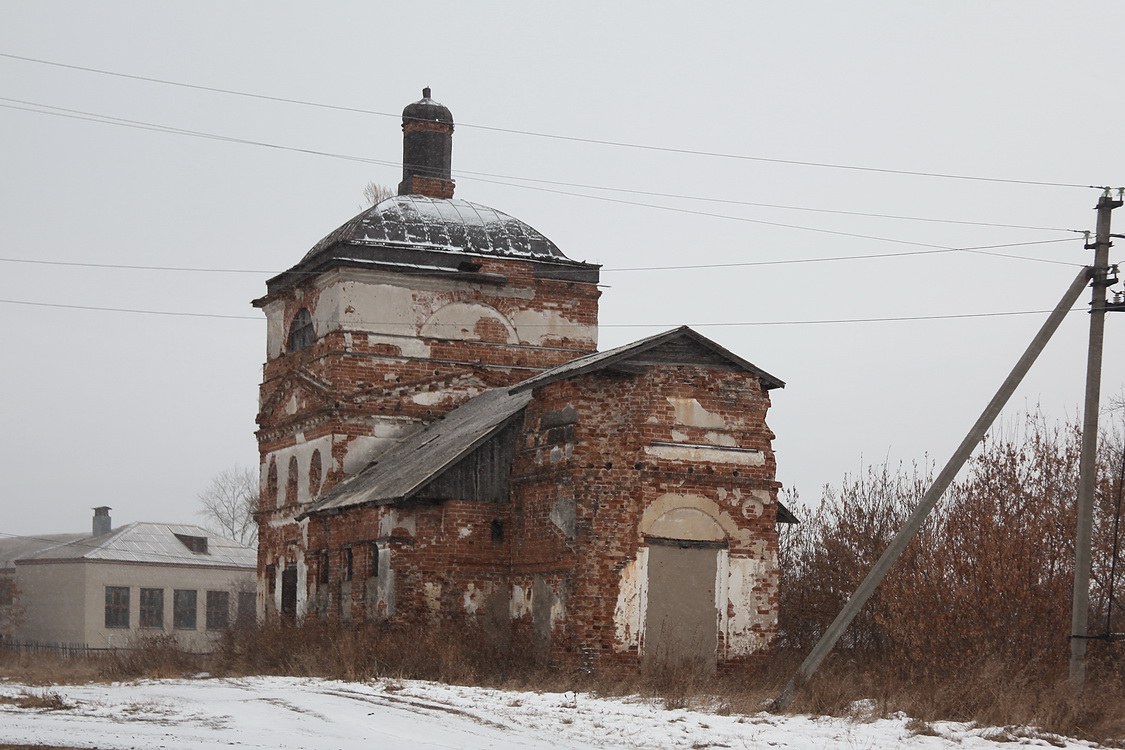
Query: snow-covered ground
[[284, 713]]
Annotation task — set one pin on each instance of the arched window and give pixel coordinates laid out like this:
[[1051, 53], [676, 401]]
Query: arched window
[[291, 483], [271, 485], [301, 332], [314, 475]]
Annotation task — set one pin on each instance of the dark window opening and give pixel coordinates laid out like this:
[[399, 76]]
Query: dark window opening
[[218, 610], [301, 333], [374, 569], [183, 609], [314, 474], [197, 544], [152, 608], [348, 559], [271, 485], [289, 591], [247, 607], [117, 606], [291, 482], [497, 531], [322, 573]]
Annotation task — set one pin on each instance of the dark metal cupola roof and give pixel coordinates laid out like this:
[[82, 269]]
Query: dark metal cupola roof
[[427, 149], [427, 109]]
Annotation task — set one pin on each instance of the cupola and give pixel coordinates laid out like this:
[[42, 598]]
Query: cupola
[[427, 149]]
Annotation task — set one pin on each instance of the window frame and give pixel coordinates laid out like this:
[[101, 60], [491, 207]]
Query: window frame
[[180, 610], [217, 616], [117, 607], [149, 608]]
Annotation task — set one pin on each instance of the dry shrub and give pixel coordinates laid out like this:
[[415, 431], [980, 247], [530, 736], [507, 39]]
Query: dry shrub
[[45, 668], [152, 656], [973, 621], [462, 652], [48, 700]]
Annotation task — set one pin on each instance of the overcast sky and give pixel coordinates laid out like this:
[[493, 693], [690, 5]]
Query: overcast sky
[[138, 411]]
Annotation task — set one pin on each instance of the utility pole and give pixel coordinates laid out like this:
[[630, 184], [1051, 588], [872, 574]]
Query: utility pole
[[1087, 471], [898, 544]]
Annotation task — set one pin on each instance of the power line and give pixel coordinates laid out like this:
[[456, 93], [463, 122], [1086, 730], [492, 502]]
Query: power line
[[505, 179], [556, 136], [979, 249], [823, 321]]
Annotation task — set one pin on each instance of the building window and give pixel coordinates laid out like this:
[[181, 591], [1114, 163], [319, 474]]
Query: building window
[[247, 607], [183, 609], [271, 485], [314, 474], [291, 482], [152, 608], [323, 572], [497, 531], [301, 333], [117, 606], [348, 559], [374, 570], [218, 610]]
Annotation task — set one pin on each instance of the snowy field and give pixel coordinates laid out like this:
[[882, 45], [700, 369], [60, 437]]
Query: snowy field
[[284, 713]]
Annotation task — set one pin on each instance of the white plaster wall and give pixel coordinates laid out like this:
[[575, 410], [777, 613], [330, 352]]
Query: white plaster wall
[[303, 450], [632, 603], [53, 597], [69, 599]]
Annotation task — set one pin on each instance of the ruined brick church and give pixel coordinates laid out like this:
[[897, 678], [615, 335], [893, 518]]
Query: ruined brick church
[[441, 440]]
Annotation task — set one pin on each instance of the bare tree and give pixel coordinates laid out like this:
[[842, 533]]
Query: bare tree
[[228, 504], [11, 611], [373, 192]]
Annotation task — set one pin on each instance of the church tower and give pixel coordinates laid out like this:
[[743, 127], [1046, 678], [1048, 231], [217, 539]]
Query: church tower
[[402, 313]]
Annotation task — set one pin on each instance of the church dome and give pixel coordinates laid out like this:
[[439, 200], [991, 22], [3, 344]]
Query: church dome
[[427, 109], [441, 224]]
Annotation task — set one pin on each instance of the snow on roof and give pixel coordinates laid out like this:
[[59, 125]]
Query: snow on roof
[[13, 548], [442, 224], [157, 543]]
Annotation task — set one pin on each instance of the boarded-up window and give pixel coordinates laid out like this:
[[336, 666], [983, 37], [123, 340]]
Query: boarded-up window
[[117, 606], [301, 332], [218, 610], [183, 609], [152, 608]]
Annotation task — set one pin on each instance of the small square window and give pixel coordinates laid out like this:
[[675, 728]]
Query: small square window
[[183, 609]]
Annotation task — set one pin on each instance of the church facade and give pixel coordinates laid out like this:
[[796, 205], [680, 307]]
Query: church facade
[[440, 440]]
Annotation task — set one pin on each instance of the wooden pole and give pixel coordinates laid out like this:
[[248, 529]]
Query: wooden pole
[[941, 483]]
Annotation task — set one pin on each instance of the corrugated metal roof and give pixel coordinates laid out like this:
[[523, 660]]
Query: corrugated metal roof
[[13, 548], [442, 224], [408, 466], [153, 543], [599, 360]]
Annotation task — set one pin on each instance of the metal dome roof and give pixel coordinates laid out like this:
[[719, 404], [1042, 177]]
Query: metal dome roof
[[448, 224], [427, 109]]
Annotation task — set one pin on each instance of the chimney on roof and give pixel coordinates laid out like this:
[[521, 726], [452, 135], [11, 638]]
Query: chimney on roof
[[427, 149], [102, 523]]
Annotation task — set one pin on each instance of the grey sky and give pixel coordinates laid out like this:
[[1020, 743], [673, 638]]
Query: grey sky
[[139, 411]]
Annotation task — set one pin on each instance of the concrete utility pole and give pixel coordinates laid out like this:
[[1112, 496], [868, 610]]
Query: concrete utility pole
[[1087, 471], [941, 483]]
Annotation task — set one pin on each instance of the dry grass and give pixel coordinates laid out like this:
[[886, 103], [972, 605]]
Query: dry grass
[[48, 700], [993, 694]]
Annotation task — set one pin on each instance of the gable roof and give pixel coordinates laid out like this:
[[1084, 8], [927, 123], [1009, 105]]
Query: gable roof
[[155, 543], [406, 468], [700, 350]]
